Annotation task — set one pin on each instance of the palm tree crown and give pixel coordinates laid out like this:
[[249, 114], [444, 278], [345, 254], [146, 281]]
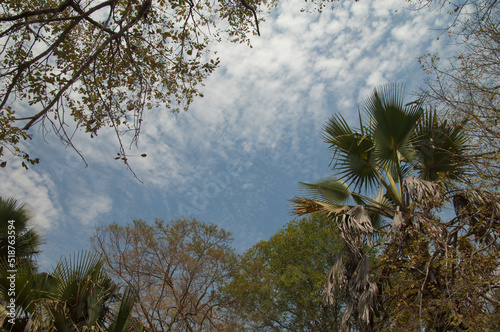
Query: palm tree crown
[[395, 145]]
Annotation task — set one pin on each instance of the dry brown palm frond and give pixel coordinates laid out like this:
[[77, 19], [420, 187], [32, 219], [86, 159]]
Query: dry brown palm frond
[[400, 229], [352, 277], [335, 280], [355, 226], [345, 324], [304, 205], [422, 192], [357, 221], [367, 302], [470, 201], [397, 221], [361, 295]]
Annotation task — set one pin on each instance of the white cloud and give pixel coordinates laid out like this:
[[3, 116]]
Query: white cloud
[[35, 189], [301, 59], [85, 206]]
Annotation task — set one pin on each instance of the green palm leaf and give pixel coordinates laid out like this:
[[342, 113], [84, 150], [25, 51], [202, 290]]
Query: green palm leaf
[[122, 318], [353, 152], [440, 146], [27, 238], [331, 190], [393, 123], [81, 291]]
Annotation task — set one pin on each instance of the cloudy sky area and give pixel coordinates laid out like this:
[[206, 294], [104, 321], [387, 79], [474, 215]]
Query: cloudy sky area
[[235, 158]]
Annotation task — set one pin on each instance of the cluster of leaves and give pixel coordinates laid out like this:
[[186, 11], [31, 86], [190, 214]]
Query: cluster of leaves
[[279, 285], [94, 64]]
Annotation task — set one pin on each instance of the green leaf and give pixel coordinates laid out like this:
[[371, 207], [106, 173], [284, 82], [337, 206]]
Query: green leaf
[[353, 152], [393, 123], [330, 190]]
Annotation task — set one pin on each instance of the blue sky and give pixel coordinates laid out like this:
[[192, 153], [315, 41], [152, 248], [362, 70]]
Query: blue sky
[[235, 158]]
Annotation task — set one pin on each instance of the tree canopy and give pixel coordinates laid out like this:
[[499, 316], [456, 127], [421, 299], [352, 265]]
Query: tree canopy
[[86, 64], [175, 267], [279, 285]]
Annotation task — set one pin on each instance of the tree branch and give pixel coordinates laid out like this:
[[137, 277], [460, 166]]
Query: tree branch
[[247, 6], [142, 11]]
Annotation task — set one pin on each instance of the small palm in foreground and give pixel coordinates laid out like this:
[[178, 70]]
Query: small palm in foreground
[[77, 296], [82, 297], [400, 152]]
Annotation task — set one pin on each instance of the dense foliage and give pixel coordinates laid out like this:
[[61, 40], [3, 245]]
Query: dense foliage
[[279, 285]]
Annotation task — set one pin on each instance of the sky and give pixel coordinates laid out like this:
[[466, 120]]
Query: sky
[[236, 157]]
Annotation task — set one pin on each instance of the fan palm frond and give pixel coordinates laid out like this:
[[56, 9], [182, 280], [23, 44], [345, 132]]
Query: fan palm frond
[[305, 206], [353, 152], [28, 239], [330, 190], [80, 292], [122, 317], [441, 147], [393, 123]]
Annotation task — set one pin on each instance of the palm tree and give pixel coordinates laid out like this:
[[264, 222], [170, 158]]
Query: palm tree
[[77, 296], [387, 171], [17, 232], [81, 294]]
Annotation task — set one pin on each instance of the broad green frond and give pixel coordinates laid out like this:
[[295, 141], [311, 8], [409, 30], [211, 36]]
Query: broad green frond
[[306, 206], [27, 239], [393, 123], [441, 147], [352, 151], [330, 190], [120, 323], [30, 286]]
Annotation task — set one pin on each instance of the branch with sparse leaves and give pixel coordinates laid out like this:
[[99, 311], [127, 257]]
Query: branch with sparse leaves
[[95, 65]]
